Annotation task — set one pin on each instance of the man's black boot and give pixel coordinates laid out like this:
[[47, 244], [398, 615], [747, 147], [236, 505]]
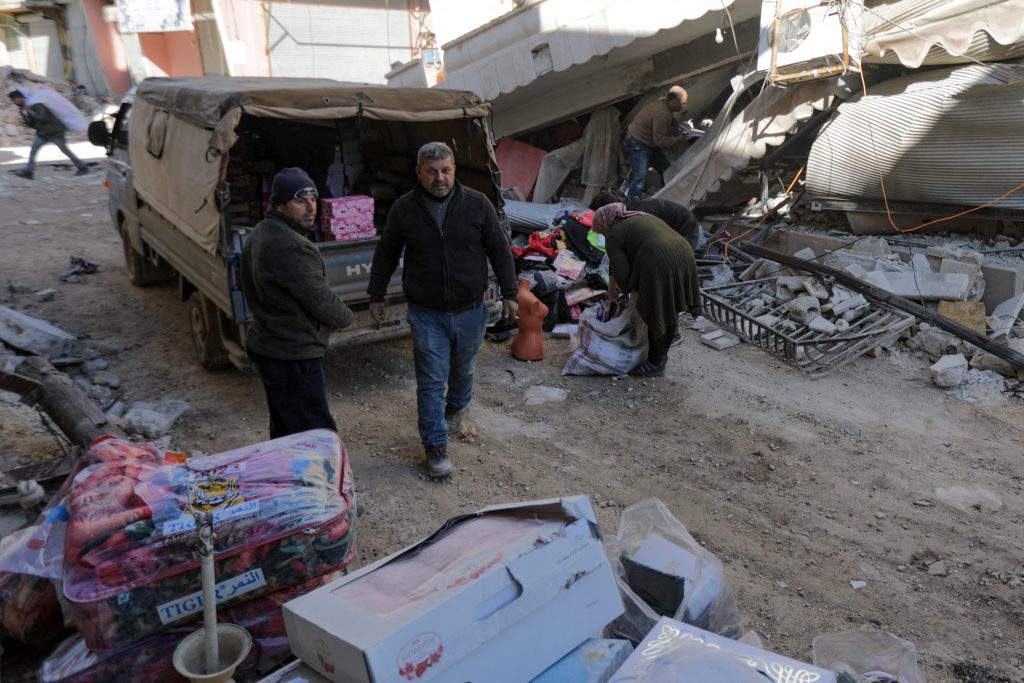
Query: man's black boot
[[439, 466]]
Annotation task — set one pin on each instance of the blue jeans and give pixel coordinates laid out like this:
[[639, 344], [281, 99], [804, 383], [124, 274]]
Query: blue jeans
[[62, 145], [444, 348], [639, 158]]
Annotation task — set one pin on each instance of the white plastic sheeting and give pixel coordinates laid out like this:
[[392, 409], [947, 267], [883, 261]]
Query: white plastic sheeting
[[949, 136], [930, 31]]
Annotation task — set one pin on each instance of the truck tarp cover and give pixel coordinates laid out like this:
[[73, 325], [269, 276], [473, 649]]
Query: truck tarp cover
[[181, 129]]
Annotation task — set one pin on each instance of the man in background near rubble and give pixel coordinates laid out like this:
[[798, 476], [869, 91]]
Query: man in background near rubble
[[652, 128], [48, 129], [448, 233], [293, 307], [676, 216]]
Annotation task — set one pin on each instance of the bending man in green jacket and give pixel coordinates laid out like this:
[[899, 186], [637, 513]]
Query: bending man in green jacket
[[48, 129], [293, 307]]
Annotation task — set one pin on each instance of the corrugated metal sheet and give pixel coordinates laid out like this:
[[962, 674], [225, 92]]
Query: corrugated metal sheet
[[948, 136], [931, 31], [499, 57], [767, 121]]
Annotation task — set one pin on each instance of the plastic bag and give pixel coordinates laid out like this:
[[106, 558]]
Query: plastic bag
[[720, 275], [282, 512], [608, 347], [67, 113], [31, 561], [151, 659], [707, 601], [865, 651]]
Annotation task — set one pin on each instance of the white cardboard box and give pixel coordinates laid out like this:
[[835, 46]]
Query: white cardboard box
[[493, 597]]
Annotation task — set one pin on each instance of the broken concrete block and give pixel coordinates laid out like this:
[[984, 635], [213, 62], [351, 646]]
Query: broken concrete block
[[153, 420], [878, 279], [720, 340], [46, 294], [842, 325], [37, 336], [1003, 281], [928, 286], [751, 272], [815, 288], [805, 254], [935, 342], [852, 303], [1005, 315], [872, 246], [804, 309], [91, 367], [987, 361], [767, 269], [921, 263], [101, 394], [949, 371], [971, 270], [970, 314], [106, 378], [822, 325]]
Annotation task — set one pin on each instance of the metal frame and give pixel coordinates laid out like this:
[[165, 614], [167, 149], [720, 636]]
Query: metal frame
[[735, 306]]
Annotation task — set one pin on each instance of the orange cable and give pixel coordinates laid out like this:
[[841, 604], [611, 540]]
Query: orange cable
[[885, 196], [725, 254]]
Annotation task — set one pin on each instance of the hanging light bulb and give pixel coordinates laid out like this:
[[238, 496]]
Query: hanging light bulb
[[719, 38]]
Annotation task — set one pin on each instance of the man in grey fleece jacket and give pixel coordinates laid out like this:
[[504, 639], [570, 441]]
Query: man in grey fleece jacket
[[293, 307]]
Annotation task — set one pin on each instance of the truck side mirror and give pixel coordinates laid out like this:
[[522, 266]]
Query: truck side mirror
[[98, 134]]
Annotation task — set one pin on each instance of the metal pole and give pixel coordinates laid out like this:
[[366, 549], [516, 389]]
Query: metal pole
[[204, 531]]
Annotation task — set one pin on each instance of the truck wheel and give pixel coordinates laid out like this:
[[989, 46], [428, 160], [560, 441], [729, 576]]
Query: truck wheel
[[136, 264], [210, 353]]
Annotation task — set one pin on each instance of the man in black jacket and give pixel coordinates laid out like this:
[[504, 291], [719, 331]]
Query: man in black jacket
[[293, 307], [449, 233], [48, 129]]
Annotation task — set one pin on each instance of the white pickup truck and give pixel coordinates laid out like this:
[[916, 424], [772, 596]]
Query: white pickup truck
[[189, 166]]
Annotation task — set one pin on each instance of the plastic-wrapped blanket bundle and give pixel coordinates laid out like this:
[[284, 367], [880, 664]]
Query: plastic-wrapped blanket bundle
[[151, 658], [283, 512]]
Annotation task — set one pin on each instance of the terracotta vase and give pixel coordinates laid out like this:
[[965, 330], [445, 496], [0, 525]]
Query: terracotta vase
[[529, 343]]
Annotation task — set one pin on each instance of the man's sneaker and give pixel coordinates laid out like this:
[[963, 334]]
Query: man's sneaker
[[25, 174], [83, 171], [454, 417], [439, 466]]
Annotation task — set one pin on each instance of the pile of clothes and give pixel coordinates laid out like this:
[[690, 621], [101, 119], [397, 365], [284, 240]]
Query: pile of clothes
[[566, 264]]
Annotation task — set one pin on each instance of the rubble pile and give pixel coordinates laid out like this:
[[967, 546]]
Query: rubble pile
[[958, 278], [13, 132]]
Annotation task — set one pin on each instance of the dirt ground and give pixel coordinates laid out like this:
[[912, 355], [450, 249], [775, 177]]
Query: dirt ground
[[799, 486]]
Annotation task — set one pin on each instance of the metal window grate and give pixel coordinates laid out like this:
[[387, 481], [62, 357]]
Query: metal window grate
[[736, 307]]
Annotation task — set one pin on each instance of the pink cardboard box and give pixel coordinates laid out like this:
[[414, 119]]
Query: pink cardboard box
[[336, 207]]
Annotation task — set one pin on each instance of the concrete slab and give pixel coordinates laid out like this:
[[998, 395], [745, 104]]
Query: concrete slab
[[1005, 315], [929, 286], [1003, 280], [37, 336], [721, 341]]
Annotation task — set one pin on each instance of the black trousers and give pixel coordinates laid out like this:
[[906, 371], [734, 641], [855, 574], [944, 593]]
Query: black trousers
[[296, 394], [657, 348]]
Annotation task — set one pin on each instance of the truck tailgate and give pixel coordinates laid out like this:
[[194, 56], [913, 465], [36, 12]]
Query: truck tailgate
[[348, 269]]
